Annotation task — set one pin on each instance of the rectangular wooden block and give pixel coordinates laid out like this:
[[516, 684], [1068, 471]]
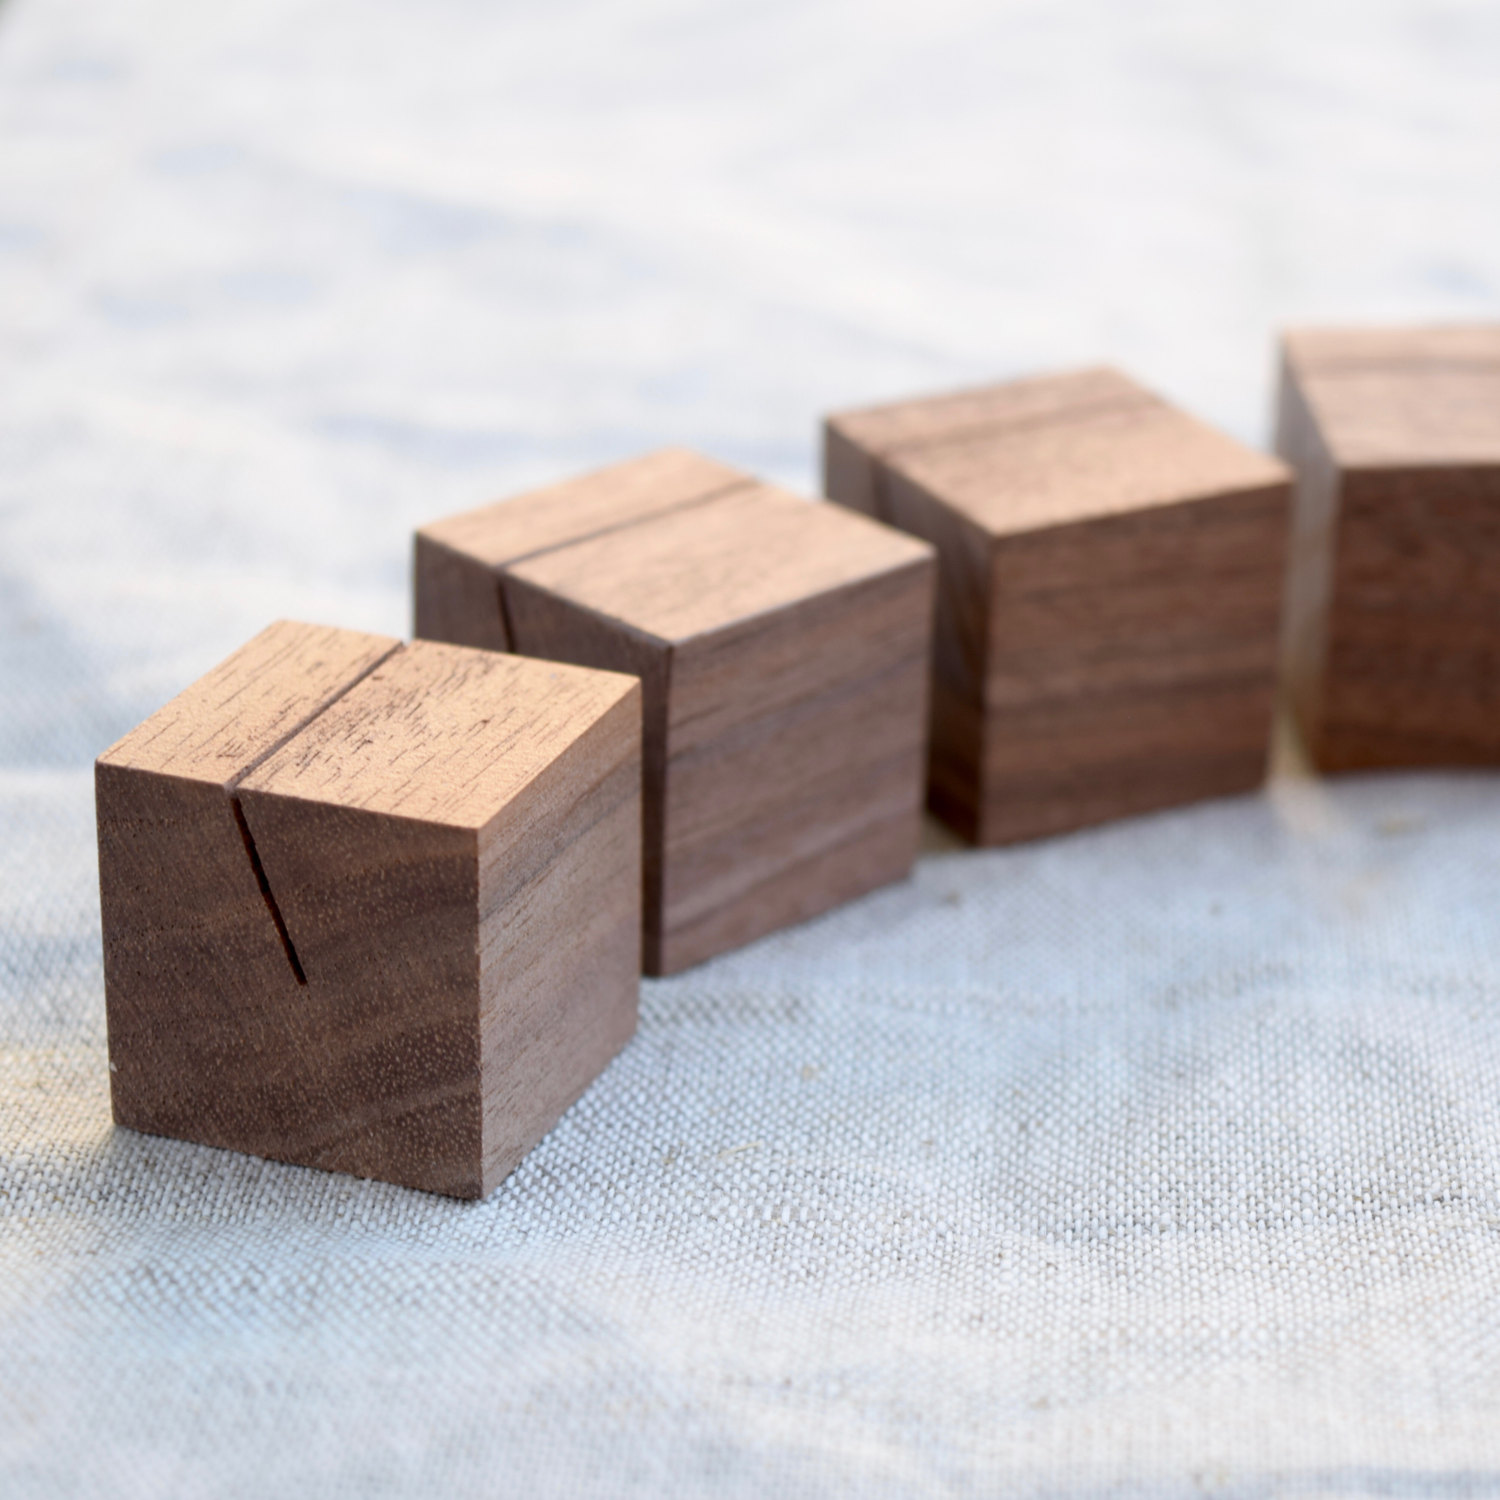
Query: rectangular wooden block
[[781, 646], [371, 908], [1393, 634], [1108, 599]]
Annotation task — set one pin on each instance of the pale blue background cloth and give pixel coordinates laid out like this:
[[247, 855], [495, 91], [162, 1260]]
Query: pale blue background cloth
[[1162, 1160]]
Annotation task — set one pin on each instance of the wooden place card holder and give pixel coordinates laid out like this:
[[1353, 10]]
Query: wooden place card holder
[[1393, 638], [782, 647], [1111, 577], [369, 907]]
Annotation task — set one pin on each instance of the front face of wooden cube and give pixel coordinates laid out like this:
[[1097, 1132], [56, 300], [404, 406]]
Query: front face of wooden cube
[[314, 958], [1412, 669], [1394, 588], [781, 647], [794, 763], [1109, 597], [1130, 664]]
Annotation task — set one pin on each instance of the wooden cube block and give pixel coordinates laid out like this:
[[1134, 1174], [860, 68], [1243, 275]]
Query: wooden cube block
[[369, 907], [782, 648], [1107, 610], [1393, 600]]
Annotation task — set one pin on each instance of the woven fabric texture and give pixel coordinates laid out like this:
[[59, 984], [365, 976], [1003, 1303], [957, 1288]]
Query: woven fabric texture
[[1159, 1160]]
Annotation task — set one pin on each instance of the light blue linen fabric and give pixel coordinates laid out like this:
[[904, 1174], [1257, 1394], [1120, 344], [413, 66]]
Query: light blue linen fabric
[[1159, 1160]]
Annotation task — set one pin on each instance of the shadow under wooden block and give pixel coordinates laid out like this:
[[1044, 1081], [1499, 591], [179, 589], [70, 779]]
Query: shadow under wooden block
[[1392, 647], [781, 646], [371, 908], [1108, 602]]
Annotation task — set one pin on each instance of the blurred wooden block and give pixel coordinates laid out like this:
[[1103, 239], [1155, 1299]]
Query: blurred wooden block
[[781, 646], [371, 908], [1393, 640], [1107, 609]]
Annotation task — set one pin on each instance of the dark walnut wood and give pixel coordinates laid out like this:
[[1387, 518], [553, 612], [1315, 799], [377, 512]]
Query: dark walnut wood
[[1393, 633], [1108, 601], [781, 645], [371, 908]]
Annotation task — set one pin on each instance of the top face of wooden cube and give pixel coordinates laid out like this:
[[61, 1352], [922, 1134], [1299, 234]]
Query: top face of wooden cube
[[1032, 454], [435, 733], [1392, 398], [511, 530], [231, 718], [677, 546], [690, 572], [441, 734]]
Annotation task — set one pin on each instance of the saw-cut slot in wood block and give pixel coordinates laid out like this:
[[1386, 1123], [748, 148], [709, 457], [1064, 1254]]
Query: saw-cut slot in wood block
[[1110, 582], [277, 920], [372, 908], [781, 645], [1392, 644]]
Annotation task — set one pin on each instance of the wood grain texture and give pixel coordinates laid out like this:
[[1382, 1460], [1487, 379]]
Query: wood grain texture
[[781, 646], [457, 598], [590, 505], [371, 908], [1392, 647], [1107, 611]]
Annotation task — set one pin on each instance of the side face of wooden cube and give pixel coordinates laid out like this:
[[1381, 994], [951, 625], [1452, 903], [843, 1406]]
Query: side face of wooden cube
[[1412, 671], [794, 761], [781, 647], [457, 599], [313, 960], [1108, 603], [1393, 600], [559, 934], [961, 632], [1131, 663], [193, 964], [373, 1067], [194, 961], [851, 473]]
